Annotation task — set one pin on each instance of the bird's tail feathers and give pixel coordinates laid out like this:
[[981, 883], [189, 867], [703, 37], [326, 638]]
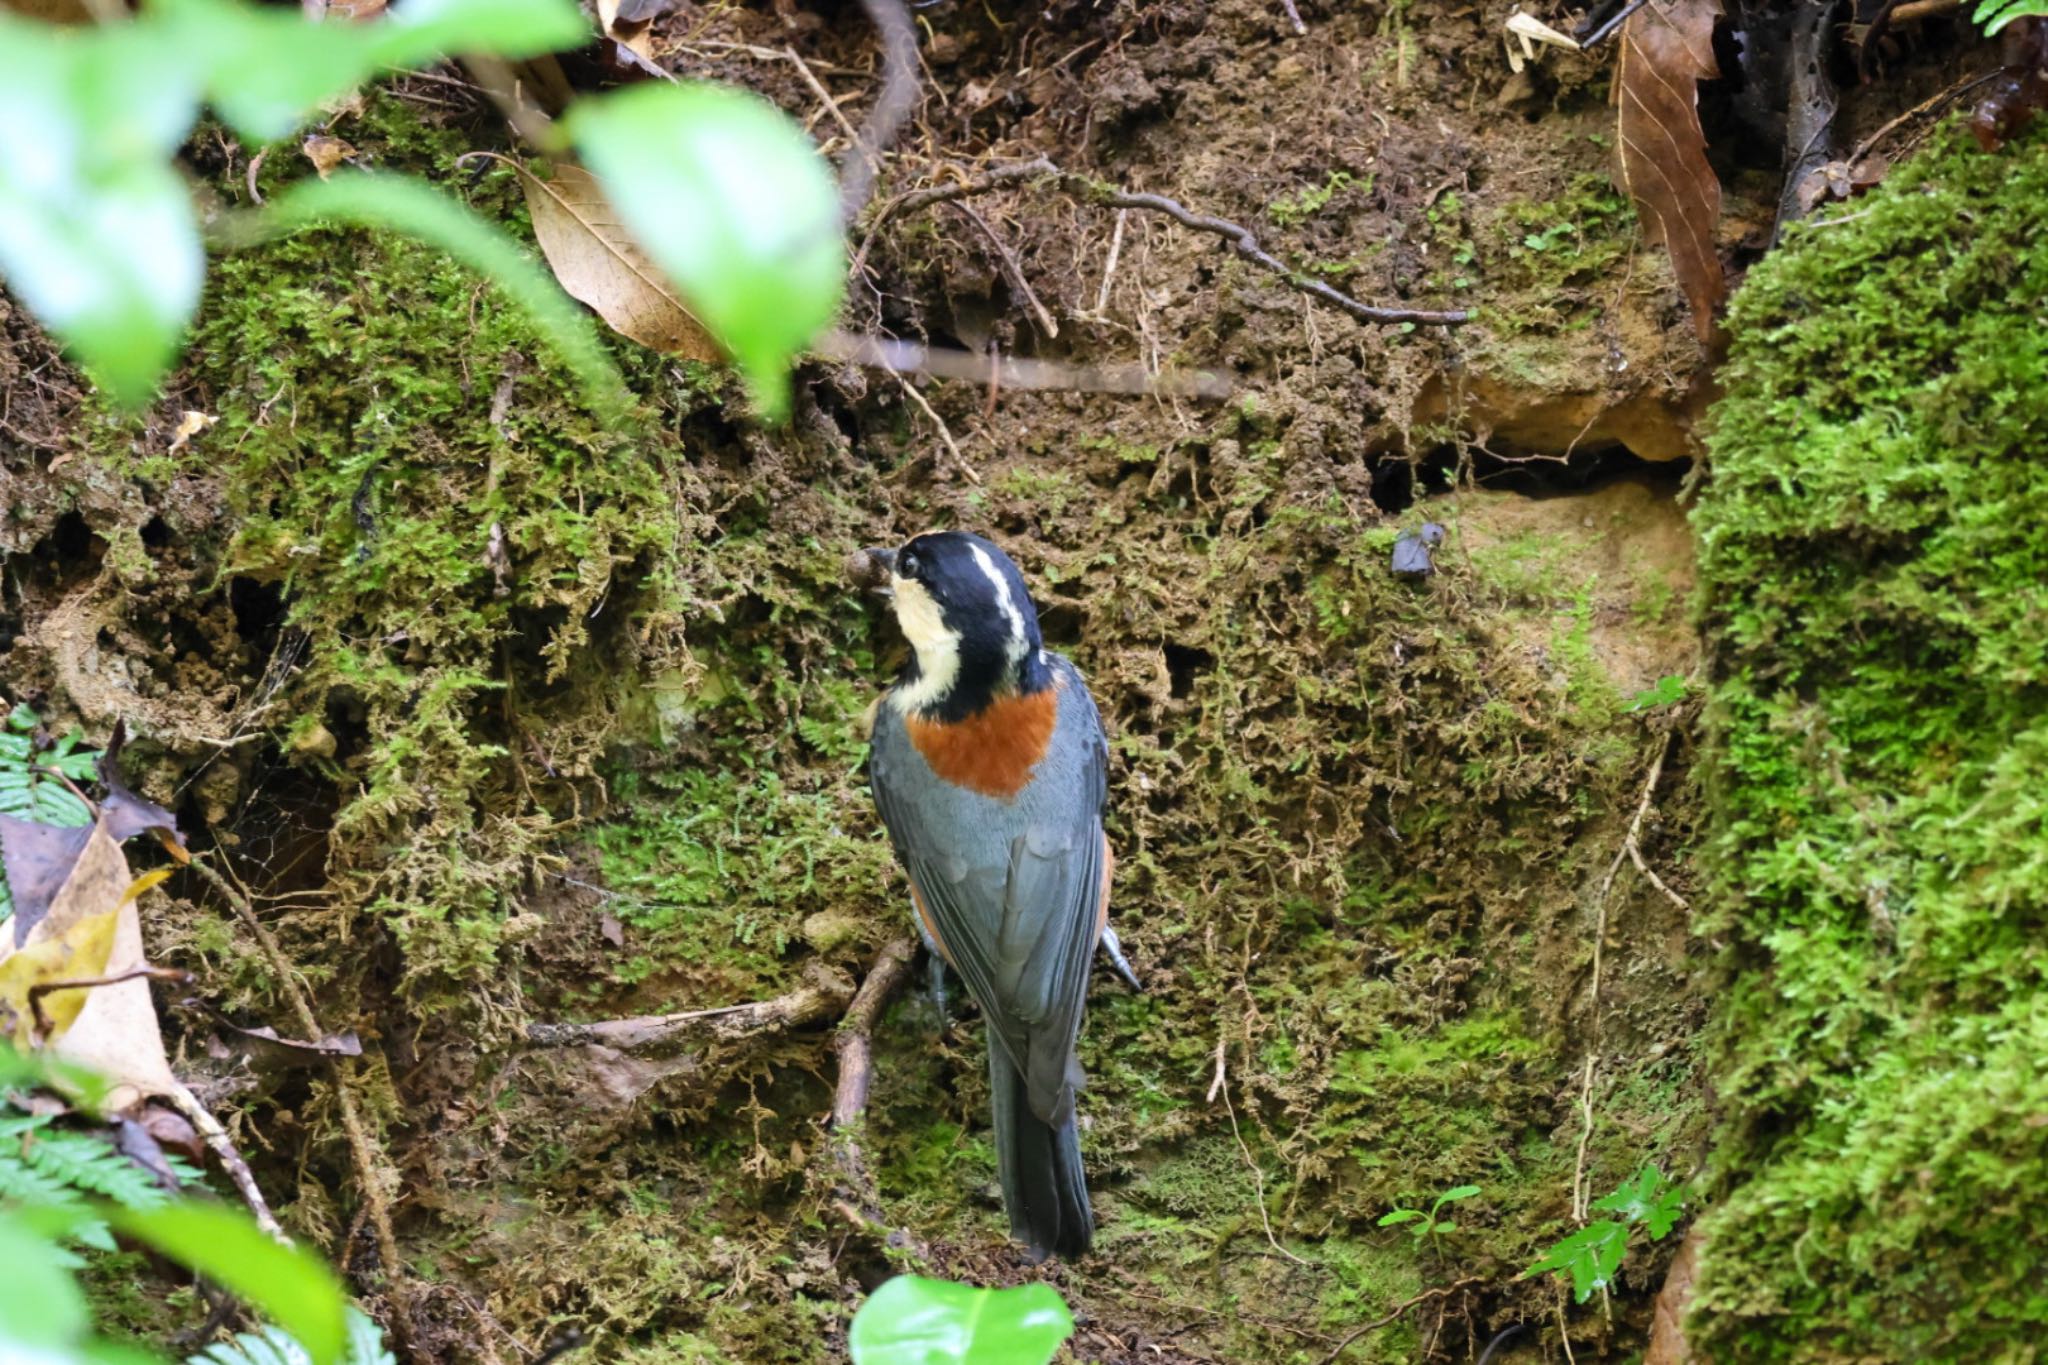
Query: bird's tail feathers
[[1045, 1189]]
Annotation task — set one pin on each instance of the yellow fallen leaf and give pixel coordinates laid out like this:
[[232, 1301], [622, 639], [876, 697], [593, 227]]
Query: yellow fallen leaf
[[93, 929], [190, 425], [326, 153]]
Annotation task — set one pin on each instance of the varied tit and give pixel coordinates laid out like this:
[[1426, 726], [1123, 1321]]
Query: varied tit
[[991, 772]]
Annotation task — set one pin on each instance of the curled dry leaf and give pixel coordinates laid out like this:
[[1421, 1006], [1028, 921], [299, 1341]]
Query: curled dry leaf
[[599, 263], [190, 425], [326, 153], [91, 929], [1667, 48]]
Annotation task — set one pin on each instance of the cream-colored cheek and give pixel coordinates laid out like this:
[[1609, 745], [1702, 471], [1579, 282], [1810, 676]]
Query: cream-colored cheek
[[923, 624]]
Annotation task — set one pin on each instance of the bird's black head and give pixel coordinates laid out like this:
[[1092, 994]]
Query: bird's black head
[[966, 612]]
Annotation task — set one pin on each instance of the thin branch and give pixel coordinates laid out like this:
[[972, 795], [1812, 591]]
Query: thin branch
[[1628, 849], [823, 998], [1012, 271], [1607, 29], [855, 1043], [825, 98], [891, 109], [1424, 1297], [1294, 18], [1014, 372], [223, 1147], [1239, 238], [945, 432], [345, 1080]]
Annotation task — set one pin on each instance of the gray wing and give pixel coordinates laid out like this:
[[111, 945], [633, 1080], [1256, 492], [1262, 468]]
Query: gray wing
[[1014, 889]]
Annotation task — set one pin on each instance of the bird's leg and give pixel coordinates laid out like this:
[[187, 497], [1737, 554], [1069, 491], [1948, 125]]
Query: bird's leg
[[1117, 959], [935, 973]]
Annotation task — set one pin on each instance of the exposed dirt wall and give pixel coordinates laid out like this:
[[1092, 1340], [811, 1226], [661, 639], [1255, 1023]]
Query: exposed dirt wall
[[507, 717]]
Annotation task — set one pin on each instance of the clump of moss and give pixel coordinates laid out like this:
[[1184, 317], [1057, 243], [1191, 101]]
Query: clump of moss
[[1876, 571]]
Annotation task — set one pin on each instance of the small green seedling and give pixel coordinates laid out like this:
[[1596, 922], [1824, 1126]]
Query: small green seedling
[[1428, 1224], [1592, 1255], [1670, 689]]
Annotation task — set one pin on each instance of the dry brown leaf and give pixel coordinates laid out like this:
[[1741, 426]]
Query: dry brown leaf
[[326, 153], [634, 34], [598, 262], [1667, 48], [51, 11], [92, 929], [190, 425], [1667, 1326]]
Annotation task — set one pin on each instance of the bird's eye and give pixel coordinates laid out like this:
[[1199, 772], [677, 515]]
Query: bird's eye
[[908, 565]]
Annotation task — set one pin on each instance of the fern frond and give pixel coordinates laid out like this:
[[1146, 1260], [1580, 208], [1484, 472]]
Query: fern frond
[[89, 1163]]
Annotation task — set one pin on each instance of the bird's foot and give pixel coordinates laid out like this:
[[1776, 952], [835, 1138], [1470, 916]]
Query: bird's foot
[[1118, 961]]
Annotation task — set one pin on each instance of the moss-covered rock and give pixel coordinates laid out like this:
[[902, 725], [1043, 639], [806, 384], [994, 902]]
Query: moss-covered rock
[[1875, 554]]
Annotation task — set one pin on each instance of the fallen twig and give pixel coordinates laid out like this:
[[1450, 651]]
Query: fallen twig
[[1238, 237], [1628, 849], [1012, 271], [1424, 1297], [855, 1043], [1014, 372], [42, 1023], [345, 1078], [945, 432], [822, 998], [855, 1198]]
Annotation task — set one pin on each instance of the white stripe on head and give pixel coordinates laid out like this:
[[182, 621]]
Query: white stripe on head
[[1018, 645]]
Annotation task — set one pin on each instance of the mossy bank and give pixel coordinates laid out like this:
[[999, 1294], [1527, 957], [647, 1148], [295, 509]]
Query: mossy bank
[[1874, 545]]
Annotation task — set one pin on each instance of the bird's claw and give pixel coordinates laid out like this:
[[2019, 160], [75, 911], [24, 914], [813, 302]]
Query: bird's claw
[[1118, 961]]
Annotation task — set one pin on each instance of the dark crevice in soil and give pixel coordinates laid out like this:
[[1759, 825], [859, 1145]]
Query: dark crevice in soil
[[1397, 484]]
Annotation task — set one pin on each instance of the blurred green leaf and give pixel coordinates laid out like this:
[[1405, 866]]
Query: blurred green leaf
[[96, 231], [730, 199], [912, 1320], [290, 1285], [268, 69], [417, 209], [40, 1304], [420, 30]]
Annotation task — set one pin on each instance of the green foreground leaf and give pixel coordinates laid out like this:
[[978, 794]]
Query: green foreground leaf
[[96, 232], [289, 1285], [912, 1320], [730, 199], [268, 69]]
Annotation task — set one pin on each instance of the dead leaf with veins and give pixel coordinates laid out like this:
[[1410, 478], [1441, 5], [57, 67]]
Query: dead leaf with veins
[[599, 263], [1667, 49]]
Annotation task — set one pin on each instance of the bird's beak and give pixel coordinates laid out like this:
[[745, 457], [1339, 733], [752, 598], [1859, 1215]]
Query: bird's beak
[[879, 567]]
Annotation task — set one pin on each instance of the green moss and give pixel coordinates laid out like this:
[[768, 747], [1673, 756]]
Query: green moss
[[1876, 595]]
